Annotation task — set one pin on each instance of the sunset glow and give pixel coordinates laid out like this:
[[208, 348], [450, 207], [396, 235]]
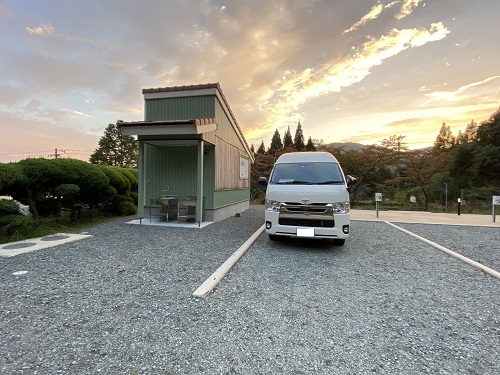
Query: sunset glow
[[348, 71]]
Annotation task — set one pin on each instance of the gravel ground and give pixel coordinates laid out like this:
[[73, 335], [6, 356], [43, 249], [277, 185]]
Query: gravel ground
[[120, 303], [481, 244]]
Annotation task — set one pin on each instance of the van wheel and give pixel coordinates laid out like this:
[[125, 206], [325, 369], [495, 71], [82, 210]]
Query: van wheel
[[338, 241], [273, 237]]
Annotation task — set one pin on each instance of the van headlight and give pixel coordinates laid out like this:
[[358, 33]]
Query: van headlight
[[272, 205], [340, 207]]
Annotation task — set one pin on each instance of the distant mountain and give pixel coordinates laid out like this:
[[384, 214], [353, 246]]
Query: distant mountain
[[348, 145]]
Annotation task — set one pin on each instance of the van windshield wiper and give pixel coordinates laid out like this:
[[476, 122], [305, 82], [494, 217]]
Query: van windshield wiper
[[293, 182], [330, 182]]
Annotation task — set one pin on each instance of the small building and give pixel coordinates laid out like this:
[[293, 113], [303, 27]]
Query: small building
[[191, 147]]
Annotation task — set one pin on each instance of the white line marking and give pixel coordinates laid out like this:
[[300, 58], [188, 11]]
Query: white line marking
[[471, 262], [219, 274], [39, 243]]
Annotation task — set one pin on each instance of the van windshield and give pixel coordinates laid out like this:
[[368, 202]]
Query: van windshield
[[307, 174]]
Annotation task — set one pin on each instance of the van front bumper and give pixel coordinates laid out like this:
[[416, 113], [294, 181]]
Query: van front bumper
[[309, 225]]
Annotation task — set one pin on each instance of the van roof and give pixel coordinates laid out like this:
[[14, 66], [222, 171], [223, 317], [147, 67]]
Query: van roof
[[309, 156]]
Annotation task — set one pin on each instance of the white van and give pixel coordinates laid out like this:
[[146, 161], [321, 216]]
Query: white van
[[308, 196]]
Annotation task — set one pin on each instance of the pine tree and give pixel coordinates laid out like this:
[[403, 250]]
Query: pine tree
[[444, 139], [298, 140], [469, 135], [310, 145], [262, 149], [276, 145], [115, 148], [287, 139], [252, 149]]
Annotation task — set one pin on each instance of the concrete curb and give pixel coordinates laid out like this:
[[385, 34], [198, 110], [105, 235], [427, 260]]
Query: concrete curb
[[469, 261], [210, 283]]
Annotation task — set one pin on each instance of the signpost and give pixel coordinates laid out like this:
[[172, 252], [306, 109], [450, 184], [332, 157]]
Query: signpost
[[496, 202], [378, 198]]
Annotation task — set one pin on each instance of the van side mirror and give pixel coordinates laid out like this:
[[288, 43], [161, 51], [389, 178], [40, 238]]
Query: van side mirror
[[350, 182], [262, 181]]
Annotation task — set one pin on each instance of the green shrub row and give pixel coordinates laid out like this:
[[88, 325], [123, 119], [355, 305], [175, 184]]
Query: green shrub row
[[50, 186]]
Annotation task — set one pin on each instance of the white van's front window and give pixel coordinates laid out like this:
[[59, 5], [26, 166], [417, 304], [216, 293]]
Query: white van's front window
[[307, 174]]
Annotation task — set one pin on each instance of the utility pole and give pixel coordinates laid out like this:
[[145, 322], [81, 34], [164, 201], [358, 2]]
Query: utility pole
[[57, 154]]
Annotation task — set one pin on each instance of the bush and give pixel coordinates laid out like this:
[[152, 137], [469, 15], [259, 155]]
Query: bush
[[10, 224], [126, 208], [8, 207]]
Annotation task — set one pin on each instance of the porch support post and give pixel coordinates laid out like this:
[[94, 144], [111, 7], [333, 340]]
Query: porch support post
[[141, 193], [199, 186]]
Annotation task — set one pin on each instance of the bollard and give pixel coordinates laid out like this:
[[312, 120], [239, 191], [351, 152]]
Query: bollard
[[458, 205], [496, 201], [378, 198]]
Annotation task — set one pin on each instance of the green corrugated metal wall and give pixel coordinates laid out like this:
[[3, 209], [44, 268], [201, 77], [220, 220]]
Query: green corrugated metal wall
[[185, 108], [224, 198], [175, 167]]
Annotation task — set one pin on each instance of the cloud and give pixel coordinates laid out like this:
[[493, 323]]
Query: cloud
[[455, 95], [47, 30], [407, 8], [374, 12], [296, 88], [42, 30]]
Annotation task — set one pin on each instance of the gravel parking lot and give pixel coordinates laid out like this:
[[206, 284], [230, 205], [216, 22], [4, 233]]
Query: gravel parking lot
[[120, 303]]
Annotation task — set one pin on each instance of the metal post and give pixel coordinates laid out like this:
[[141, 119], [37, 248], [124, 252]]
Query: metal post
[[495, 202], [446, 197], [199, 185], [376, 205]]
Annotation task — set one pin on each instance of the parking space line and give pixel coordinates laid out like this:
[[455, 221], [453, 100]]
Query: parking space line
[[471, 262], [219, 274]]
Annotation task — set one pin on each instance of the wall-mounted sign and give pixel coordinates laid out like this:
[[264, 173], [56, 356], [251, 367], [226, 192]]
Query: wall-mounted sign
[[243, 167]]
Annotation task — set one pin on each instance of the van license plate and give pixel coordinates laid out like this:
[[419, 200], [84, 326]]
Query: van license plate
[[305, 232]]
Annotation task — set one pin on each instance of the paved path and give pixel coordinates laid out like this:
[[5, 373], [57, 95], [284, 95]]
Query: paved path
[[426, 218]]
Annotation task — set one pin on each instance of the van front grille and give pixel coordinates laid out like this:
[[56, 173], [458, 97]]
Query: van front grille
[[295, 222]]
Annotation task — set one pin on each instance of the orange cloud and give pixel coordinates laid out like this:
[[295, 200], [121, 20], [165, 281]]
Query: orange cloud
[[296, 88]]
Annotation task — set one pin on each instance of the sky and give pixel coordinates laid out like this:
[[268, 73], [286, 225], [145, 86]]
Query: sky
[[349, 71]]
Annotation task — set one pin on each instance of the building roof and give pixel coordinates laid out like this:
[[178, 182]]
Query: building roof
[[216, 86], [194, 126]]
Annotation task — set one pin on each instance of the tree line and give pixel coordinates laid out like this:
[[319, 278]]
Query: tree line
[[466, 166], [288, 144]]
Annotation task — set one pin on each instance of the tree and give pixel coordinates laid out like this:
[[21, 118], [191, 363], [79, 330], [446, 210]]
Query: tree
[[363, 165], [298, 140], [310, 145], [276, 145], [423, 166], [476, 162], [262, 149], [115, 148], [319, 143], [444, 139], [287, 139], [397, 146], [395, 142], [252, 150], [469, 135]]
